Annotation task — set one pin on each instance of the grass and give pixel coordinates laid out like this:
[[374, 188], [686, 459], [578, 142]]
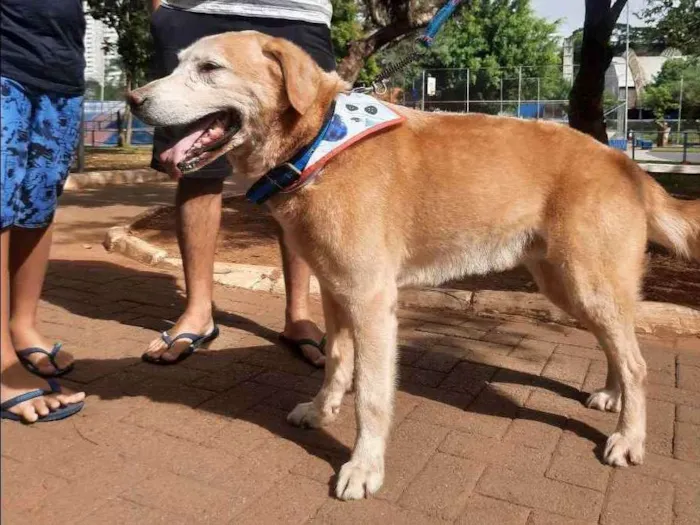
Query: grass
[[112, 158]]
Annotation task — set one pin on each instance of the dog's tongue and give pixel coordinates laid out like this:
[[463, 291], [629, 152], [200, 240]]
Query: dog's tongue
[[177, 152]]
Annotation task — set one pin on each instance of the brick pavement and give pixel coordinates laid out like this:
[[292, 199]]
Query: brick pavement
[[489, 423]]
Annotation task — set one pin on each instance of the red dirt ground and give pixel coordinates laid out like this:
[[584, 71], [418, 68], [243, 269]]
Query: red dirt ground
[[249, 236]]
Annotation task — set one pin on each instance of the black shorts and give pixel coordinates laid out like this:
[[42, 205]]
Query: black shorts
[[174, 29]]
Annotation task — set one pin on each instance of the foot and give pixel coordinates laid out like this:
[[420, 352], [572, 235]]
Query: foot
[[306, 330], [605, 400], [17, 380], [306, 415], [358, 479], [30, 338], [186, 324], [622, 450]]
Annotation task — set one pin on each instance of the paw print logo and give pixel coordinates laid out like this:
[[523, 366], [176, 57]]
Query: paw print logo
[[372, 110], [351, 107]]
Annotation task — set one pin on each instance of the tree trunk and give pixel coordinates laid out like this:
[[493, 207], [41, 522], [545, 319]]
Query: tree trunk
[[586, 98], [129, 117], [360, 50]]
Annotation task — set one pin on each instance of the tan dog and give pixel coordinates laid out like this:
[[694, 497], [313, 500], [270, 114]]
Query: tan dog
[[438, 197]]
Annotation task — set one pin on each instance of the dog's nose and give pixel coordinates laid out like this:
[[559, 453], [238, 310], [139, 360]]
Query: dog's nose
[[135, 98]]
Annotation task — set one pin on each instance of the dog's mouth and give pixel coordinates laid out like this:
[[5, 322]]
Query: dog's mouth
[[205, 140]]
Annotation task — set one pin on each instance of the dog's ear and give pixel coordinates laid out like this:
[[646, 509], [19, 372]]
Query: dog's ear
[[301, 74]]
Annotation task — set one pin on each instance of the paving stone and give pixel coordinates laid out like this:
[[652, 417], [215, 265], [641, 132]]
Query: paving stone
[[292, 500], [495, 452], [481, 510], [541, 493], [370, 511], [443, 486], [584, 471], [637, 499], [686, 444]]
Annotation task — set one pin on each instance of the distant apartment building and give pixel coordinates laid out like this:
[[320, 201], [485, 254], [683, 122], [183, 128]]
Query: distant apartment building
[[100, 66]]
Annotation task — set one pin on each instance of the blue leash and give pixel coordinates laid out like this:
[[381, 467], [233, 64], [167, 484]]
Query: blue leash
[[426, 40]]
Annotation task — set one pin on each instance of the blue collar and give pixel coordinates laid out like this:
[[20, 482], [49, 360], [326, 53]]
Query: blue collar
[[287, 174]]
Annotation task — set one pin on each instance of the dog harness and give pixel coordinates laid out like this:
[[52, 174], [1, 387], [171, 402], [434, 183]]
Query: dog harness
[[351, 118]]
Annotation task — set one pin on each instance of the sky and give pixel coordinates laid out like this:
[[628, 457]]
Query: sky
[[572, 11]]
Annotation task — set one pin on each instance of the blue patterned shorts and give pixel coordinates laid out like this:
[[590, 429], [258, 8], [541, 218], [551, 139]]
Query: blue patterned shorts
[[39, 135]]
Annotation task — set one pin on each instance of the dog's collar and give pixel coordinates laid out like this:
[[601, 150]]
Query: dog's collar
[[289, 175]]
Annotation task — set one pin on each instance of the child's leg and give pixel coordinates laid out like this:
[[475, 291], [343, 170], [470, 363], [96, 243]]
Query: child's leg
[[53, 135]]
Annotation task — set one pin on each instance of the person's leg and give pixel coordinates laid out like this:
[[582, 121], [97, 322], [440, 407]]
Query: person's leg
[[15, 380], [28, 261], [298, 324], [198, 204]]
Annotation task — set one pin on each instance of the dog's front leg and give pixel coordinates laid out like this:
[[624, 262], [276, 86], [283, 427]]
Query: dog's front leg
[[339, 369], [374, 328]]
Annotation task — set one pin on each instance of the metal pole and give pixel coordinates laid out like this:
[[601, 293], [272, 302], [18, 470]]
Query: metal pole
[[520, 87], [680, 108], [685, 148], [468, 79], [501, 93], [627, 67], [422, 94], [538, 98], [633, 144]]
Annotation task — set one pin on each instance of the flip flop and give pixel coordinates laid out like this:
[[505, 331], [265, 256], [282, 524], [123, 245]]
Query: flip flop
[[23, 356], [197, 341], [297, 344], [60, 413]]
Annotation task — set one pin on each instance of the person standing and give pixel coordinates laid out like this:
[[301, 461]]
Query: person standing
[[42, 83], [175, 24]]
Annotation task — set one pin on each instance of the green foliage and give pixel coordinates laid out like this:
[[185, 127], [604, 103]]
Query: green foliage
[[659, 100], [131, 20], [677, 22], [669, 78], [493, 38], [347, 27]]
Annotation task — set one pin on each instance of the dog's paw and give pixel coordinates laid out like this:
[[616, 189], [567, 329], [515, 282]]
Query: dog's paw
[[358, 480], [605, 400], [305, 415], [621, 450]]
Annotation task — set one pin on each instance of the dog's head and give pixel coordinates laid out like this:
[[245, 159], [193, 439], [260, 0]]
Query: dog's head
[[233, 90]]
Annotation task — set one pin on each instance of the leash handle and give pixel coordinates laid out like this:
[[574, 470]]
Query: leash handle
[[437, 22]]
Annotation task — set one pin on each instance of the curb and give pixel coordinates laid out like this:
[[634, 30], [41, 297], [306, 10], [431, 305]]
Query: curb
[[97, 179], [652, 317]]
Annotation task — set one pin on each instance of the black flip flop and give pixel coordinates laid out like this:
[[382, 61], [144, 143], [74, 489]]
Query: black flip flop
[[297, 344], [23, 356], [197, 341]]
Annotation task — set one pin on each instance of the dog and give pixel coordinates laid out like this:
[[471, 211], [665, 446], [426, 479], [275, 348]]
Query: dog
[[435, 198]]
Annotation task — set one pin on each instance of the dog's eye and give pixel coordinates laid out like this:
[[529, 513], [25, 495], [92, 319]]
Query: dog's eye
[[208, 67]]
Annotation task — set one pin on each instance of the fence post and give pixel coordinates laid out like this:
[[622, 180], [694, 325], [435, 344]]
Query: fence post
[[685, 148], [468, 79], [538, 98], [633, 143], [520, 87], [501, 92], [422, 92]]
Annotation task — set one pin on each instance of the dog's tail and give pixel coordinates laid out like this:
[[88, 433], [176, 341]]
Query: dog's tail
[[672, 223]]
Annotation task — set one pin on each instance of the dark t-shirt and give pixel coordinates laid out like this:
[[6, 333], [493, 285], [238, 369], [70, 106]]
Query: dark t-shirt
[[41, 44]]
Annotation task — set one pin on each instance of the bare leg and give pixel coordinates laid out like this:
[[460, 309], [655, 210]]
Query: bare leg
[[28, 262], [198, 203], [298, 324], [339, 370], [375, 331], [15, 379]]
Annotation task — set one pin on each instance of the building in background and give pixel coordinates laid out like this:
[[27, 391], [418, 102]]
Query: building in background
[[101, 66]]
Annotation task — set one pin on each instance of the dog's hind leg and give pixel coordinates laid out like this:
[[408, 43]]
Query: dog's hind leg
[[599, 287], [374, 324], [338, 372]]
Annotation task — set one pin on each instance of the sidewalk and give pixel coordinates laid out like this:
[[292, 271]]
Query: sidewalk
[[489, 425]]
